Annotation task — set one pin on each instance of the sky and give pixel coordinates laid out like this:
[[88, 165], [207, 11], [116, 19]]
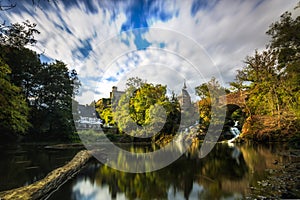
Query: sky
[[163, 42]]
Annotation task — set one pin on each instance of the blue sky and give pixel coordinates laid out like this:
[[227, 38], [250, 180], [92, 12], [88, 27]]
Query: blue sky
[[161, 41]]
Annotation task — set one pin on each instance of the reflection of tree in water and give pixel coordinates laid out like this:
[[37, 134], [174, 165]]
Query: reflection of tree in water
[[181, 176], [222, 166]]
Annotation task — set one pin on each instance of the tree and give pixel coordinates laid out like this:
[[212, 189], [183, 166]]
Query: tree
[[272, 77], [211, 89], [209, 93], [261, 77], [54, 100], [107, 116], [24, 69], [285, 40], [18, 35], [13, 107], [134, 83], [141, 109], [144, 110], [47, 88]]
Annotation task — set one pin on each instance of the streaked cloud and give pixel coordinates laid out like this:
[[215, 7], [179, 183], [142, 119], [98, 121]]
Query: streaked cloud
[[108, 41]]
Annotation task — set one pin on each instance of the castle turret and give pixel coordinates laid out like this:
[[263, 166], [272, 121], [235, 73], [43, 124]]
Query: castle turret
[[115, 96], [184, 98]]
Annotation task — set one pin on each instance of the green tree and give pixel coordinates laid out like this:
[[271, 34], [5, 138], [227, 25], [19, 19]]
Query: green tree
[[285, 36], [144, 110], [141, 109], [25, 69], [209, 93], [48, 89], [212, 89], [285, 40], [13, 107], [54, 100], [260, 77], [134, 83], [18, 35]]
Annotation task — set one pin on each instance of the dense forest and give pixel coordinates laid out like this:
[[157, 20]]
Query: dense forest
[[35, 97]]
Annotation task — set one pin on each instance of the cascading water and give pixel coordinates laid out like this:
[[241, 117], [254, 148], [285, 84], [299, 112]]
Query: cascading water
[[235, 131]]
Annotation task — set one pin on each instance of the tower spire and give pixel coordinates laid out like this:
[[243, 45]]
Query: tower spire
[[184, 85]]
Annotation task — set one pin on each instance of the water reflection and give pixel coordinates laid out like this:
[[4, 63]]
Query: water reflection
[[24, 164], [227, 172], [137, 159]]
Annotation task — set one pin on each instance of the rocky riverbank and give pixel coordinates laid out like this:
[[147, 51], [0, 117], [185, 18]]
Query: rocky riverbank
[[53, 180], [283, 183]]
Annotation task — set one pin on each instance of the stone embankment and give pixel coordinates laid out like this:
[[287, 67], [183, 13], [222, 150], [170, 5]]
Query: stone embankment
[[53, 180]]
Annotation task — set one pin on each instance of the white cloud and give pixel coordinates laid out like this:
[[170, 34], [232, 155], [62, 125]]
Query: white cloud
[[230, 31], [225, 33]]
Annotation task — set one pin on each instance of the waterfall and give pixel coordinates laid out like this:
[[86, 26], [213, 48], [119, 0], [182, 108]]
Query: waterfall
[[235, 131]]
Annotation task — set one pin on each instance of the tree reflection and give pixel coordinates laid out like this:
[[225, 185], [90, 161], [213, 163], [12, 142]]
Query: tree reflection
[[182, 176]]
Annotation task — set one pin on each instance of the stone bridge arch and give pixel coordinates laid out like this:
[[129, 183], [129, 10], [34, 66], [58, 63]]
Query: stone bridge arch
[[234, 101]]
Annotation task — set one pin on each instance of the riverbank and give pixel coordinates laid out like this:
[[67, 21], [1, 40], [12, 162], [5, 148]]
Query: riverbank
[[265, 128], [283, 183], [52, 181]]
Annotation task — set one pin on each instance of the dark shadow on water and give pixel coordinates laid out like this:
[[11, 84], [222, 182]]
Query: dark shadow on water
[[24, 164]]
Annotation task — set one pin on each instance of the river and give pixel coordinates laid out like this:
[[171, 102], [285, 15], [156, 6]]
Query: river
[[227, 172], [23, 164]]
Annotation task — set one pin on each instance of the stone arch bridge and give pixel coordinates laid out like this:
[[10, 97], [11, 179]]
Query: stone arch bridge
[[234, 101]]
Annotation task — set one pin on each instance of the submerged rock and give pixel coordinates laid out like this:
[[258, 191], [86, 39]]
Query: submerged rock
[[283, 183]]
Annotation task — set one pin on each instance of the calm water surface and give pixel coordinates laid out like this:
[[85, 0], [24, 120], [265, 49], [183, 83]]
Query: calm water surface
[[26, 163], [226, 173]]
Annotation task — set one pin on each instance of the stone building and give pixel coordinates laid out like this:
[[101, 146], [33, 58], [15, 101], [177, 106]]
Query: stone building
[[189, 113], [185, 99], [115, 96]]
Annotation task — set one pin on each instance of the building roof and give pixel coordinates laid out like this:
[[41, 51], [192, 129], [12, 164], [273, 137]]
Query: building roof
[[86, 111]]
